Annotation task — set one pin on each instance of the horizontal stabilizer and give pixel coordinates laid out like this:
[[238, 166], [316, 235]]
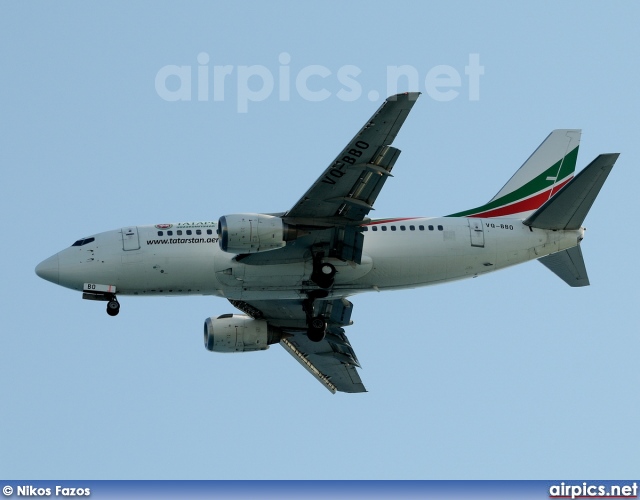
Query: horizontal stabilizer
[[568, 209], [568, 265]]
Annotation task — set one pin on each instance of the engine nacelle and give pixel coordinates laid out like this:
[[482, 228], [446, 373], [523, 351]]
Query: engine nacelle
[[251, 233], [238, 333]]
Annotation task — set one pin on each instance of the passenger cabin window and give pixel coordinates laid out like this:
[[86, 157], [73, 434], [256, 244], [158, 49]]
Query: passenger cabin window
[[374, 228], [412, 228], [440, 228], [83, 241], [169, 233], [198, 231], [364, 228], [384, 228], [403, 228], [179, 232], [430, 228], [393, 228], [209, 231], [189, 231], [421, 228]]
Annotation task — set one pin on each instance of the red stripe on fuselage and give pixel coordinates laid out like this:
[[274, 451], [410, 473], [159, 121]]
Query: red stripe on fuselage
[[387, 221]]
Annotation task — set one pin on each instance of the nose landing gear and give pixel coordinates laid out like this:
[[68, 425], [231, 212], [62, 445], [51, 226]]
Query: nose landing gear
[[102, 293], [113, 306]]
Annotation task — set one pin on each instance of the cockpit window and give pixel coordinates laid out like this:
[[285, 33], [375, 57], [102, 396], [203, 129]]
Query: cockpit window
[[83, 241]]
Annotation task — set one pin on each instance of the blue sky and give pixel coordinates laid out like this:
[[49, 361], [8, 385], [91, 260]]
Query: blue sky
[[511, 376]]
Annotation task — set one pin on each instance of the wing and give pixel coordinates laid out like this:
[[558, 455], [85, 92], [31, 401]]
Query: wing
[[332, 209], [347, 189], [331, 361], [328, 219]]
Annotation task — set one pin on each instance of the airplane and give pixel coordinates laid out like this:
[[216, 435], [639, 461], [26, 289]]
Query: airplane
[[290, 274]]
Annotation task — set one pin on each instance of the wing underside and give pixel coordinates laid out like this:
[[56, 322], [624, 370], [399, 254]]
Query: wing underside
[[331, 361]]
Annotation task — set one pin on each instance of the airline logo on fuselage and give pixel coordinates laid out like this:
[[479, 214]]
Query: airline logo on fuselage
[[186, 225], [195, 224]]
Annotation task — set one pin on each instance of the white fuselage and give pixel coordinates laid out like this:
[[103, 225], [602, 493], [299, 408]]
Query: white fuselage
[[185, 259]]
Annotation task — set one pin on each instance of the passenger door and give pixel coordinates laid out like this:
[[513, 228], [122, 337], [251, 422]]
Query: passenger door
[[130, 239], [477, 232]]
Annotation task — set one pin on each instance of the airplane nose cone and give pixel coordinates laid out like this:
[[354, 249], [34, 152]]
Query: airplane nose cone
[[49, 269]]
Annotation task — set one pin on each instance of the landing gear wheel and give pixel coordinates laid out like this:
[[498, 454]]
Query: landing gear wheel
[[328, 269], [317, 327], [113, 308], [323, 274]]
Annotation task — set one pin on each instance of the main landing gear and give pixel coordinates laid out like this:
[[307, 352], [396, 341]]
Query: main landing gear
[[113, 306], [323, 273], [316, 325]]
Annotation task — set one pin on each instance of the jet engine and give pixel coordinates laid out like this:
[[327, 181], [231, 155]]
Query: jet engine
[[239, 333], [252, 233]]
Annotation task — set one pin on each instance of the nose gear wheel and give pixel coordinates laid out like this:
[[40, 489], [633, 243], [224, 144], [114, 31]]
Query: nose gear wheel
[[113, 306]]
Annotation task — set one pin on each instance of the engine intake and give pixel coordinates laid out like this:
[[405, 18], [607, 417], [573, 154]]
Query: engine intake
[[252, 233], [238, 333]]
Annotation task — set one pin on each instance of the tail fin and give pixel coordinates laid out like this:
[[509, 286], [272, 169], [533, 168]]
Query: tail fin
[[568, 209], [546, 171]]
